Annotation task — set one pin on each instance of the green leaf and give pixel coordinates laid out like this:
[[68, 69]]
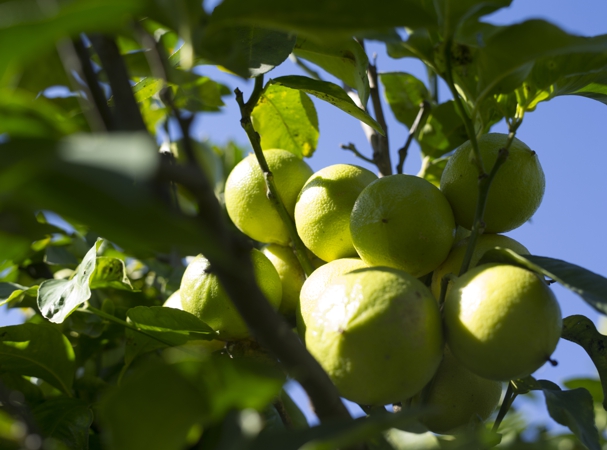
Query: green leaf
[[110, 273], [38, 350], [591, 385], [582, 331], [418, 45], [286, 118], [170, 325], [443, 131], [65, 419], [328, 92], [146, 88], [573, 409], [349, 62], [57, 299], [452, 13], [588, 285], [14, 291], [404, 93], [201, 94]]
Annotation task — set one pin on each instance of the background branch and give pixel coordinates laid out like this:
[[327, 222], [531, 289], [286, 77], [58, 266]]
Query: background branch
[[424, 107], [380, 144]]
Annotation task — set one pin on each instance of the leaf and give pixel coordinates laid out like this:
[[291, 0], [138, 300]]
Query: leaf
[[286, 118], [146, 88], [57, 299], [65, 419], [348, 62], [452, 13], [110, 273], [14, 291], [201, 94], [404, 93], [38, 350], [591, 385], [573, 409], [170, 325], [418, 45], [588, 285], [582, 331], [443, 131], [328, 92]]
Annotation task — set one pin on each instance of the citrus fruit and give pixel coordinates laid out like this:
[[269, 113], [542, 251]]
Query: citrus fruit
[[291, 275], [404, 222], [323, 208], [516, 191], [246, 197], [484, 242], [502, 322], [377, 333], [456, 395], [316, 283], [174, 300], [203, 296]]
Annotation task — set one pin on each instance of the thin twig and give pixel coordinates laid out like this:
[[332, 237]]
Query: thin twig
[[424, 107], [283, 414], [354, 150], [506, 404], [380, 144]]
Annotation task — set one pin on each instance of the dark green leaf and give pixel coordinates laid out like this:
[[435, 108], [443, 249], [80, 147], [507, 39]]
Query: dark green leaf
[[452, 13], [110, 273], [328, 92], [591, 385], [432, 169], [57, 299], [404, 93], [286, 118], [588, 285], [349, 62], [14, 291], [443, 131], [581, 330], [418, 45], [31, 393], [65, 419], [38, 350]]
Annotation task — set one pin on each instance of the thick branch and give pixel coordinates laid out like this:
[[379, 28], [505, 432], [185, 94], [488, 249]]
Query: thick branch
[[381, 146]]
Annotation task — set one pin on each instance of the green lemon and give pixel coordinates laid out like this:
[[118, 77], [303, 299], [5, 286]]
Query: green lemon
[[323, 208], [502, 322], [377, 333], [291, 275], [456, 395], [316, 283], [402, 221], [516, 191], [484, 243], [174, 300], [203, 295], [246, 197]]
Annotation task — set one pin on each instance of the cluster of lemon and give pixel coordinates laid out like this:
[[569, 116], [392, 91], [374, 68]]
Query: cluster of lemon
[[365, 315]]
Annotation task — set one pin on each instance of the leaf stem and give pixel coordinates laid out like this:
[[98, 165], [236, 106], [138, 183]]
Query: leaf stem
[[444, 285], [424, 107], [506, 404], [272, 191]]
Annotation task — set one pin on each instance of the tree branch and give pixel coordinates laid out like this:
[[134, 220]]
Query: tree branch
[[380, 144], [424, 107], [354, 150]]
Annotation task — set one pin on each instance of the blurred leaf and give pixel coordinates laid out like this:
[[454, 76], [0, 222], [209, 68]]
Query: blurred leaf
[[286, 118], [432, 169], [452, 13], [57, 299], [201, 94], [588, 285], [349, 62], [582, 331], [110, 273], [147, 88], [296, 415], [418, 45], [13, 291], [400, 439], [31, 393], [591, 385], [329, 92], [443, 130], [34, 80], [170, 325], [55, 255], [38, 350], [404, 93], [65, 419]]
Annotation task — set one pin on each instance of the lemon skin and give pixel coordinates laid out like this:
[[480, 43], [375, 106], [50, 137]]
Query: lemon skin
[[291, 275], [502, 322]]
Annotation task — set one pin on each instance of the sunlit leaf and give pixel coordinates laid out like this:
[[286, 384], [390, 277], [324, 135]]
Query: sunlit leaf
[[110, 273], [405, 94], [65, 419], [13, 291]]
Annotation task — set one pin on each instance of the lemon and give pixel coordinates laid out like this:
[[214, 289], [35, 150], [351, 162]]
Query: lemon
[[246, 197], [323, 208], [484, 243], [516, 191], [456, 395], [291, 275], [316, 283], [402, 221], [174, 300], [377, 333], [203, 296], [502, 322]]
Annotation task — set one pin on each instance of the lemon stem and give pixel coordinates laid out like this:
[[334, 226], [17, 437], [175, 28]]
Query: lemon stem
[[506, 404], [444, 284], [272, 191]]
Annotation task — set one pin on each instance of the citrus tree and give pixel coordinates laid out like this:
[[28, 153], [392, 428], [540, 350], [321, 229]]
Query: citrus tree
[[102, 208]]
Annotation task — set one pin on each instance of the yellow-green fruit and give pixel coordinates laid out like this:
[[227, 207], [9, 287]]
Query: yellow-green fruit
[[484, 243], [316, 283], [377, 332], [291, 275], [174, 300], [456, 395], [404, 222], [323, 208], [502, 322], [516, 191], [246, 195], [203, 296]]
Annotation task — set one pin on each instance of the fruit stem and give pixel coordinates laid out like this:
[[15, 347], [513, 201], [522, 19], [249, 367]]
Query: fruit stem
[[424, 108], [444, 284], [272, 191], [506, 404]]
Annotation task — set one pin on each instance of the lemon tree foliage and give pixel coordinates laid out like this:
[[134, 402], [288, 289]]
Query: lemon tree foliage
[[130, 340]]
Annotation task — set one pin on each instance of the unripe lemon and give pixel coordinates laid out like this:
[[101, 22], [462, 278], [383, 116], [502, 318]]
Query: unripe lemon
[[456, 395], [402, 221], [203, 295], [377, 333], [516, 191], [323, 208], [246, 197], [291, 275], [484, 243], [316, 283], [501, 322]]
